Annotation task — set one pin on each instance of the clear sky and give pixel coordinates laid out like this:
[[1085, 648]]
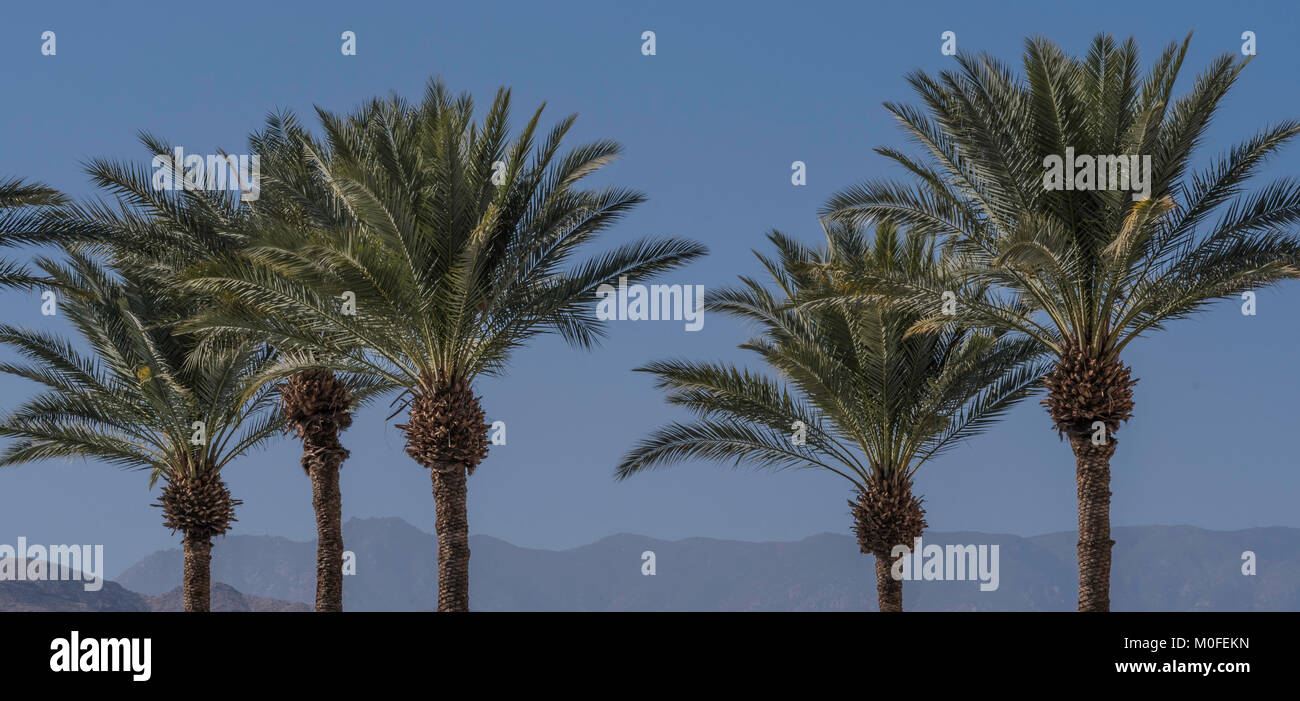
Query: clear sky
[[711, 124]]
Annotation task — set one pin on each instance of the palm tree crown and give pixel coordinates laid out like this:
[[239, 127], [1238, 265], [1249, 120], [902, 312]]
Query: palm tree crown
[[453, 251], [133, 400], [1092, 269]]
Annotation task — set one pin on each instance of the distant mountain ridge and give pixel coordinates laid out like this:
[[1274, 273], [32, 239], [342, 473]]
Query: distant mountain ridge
[[71, 595], [1161, 568]]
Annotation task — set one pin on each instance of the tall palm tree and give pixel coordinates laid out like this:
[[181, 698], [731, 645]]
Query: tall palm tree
[[317, 403], [133, 401], [1083, 271], [867, 394], [457, 248]]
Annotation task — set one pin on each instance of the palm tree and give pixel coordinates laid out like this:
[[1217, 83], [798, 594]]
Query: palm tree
[[317, 403], [456, 249], [1083, 271], [135, 402], [165, 235], [868, 395]]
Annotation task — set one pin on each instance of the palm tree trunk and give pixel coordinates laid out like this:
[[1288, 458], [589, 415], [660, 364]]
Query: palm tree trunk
[[196, 502], [889, 591], [1089, 396], [1092, 475], [318, 406], [328, 504], [452, 524], [446, 433], [887, 514], [198, 573]]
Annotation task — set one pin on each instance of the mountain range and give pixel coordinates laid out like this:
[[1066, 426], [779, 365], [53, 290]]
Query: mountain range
[[1156, 568], [71, 595]]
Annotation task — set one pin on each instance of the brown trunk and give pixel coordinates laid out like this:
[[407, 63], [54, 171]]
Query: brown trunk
[[198, 573], [318, 407], [446, 433], [327, 501], [196, 502], [889, 591], [887, 514], [1092, 474], [452, 524], [1089, 396]]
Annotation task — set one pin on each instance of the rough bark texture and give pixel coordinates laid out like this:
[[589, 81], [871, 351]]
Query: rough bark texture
[[318, 408], [452, 523], [328, 504], [196, 502], [887, 514], [446, 433], [1092, 475], [889, 591], [198, 573], [1084, 390]]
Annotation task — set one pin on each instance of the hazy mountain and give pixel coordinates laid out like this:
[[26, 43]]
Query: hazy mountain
[[225, 598], [1155, 568], [1181, 568], [71, 595]]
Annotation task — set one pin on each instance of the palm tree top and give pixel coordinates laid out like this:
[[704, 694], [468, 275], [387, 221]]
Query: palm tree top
[[876, 397], [1092, 269], [132, 400], [455, 245]]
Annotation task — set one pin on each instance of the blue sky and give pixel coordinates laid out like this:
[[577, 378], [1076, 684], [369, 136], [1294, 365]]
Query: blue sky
[[710, 125]]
